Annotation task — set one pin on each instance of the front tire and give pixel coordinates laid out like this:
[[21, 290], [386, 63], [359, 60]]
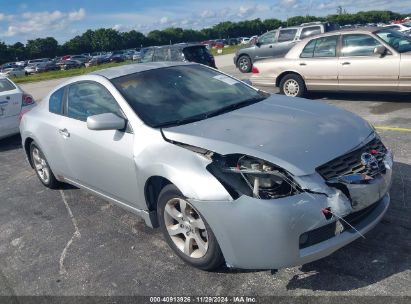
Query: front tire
[[244, 64], [42, 167], [186, 231], [292, 85]]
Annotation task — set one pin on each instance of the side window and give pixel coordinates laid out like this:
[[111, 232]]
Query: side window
[[310, 31], [287, 35], [358, 45], [6, 85], [85, 99], [320, 47], [161, 54], [267, 38], [176, 54], [56, 101]]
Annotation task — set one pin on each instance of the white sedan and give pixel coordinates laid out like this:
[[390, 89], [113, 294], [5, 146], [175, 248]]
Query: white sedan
[[13, 104]]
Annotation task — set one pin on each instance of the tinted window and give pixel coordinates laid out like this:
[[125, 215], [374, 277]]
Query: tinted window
[[174, 95], [198, 54], [161, 54], [358, 45], [176, 55], [55, 101], [267, 38], [6, 85], [287, 35], [321, 47], [88, 98]]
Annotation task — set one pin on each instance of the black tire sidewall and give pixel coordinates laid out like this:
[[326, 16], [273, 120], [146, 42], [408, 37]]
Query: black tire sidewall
[[298, 79], [213, 258]]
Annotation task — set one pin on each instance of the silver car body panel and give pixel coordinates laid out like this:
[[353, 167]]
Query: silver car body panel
[[296, 134]]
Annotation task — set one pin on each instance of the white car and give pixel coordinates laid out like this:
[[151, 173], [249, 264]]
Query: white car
[[13, 72], [13, 104], [404, 28], [245, 40]]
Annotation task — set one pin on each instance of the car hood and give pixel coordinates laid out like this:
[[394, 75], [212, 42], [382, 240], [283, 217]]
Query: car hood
[[296, 134]]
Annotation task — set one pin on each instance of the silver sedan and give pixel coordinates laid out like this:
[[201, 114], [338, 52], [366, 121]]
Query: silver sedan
[[229, 173]]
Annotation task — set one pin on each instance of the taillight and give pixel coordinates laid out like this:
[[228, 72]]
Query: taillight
[[254, 70], [27, 100]]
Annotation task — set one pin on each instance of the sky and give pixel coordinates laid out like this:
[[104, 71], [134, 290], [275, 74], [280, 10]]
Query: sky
[[64, 19]]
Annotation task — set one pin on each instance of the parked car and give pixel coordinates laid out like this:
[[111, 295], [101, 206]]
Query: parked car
[[13, 104], [37, 61], [47, 66], [70, 64], [277, 43], [245, 40], [30, 68], [16, 71], [116, 57], [80, 58], [404, 28], [136, 56], [180, 52], [208, 159], [97, 60], [232, 41], [368, 60]]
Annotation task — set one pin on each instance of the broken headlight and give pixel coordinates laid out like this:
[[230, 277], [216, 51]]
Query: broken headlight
[[245, 175]]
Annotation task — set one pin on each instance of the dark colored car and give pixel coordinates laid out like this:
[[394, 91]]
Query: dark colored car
[[47, 66], [70, 64], [97, 60], [180, 52], [116, 57]]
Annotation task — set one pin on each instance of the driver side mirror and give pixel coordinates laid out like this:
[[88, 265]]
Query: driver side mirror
[[106, 121], [380, 50], [258, 43]]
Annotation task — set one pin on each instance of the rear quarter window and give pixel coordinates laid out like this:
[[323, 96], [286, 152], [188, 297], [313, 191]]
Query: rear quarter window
[[6, 85], [56, 101]]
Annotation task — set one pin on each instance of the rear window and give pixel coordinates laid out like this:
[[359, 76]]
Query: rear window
[[6, 85], [310, 31], [287, 35]]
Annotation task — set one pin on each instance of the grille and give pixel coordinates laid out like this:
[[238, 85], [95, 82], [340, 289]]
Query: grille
[[350, 163]]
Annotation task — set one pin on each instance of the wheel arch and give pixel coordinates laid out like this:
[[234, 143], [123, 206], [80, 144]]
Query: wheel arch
[[152, 189], [27, 144], [285, 73]]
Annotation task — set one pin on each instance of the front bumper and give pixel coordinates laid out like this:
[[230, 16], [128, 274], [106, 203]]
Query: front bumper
[[265, 234]]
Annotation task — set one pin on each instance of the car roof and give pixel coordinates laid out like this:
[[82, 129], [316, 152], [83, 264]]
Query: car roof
[[123, 70]]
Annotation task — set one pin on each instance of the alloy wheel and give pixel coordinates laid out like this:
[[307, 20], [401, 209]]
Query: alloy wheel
[[41, 166], [243, 63], [186, 228]]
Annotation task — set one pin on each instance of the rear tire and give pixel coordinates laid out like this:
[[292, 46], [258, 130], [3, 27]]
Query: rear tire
[[292, 85], [186, 231], [244, 64], [42, 167]]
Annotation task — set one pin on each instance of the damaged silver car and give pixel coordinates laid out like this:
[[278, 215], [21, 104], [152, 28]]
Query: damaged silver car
[[229, 173]]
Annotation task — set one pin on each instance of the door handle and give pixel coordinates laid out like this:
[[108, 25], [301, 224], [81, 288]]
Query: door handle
[[303, 63], [270, 46], [64, 132], [346, 63], [8, 97]]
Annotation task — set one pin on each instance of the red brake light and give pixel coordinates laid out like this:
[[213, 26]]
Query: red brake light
[[27, 100], [254, 70]]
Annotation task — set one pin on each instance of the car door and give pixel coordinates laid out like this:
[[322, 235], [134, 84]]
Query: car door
[[285, 41], [264, 45], [100, 160], [10, 106], [318, 63], [359, 69]]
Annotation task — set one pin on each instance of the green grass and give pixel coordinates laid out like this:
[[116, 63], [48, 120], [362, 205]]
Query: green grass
[[228, 50], [62, 74]]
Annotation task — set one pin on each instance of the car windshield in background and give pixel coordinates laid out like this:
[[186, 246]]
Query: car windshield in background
[[182, 94], [396, 39], [6, 85], [196, 53]]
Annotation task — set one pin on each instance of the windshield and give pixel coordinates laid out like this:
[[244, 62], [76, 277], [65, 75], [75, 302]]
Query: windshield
[[396, 39], [182, 94]]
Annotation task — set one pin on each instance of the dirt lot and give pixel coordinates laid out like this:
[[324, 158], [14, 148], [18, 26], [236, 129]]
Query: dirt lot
[[69, 242]]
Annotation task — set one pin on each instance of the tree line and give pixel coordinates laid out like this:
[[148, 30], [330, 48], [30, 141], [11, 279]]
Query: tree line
[[106, 39]]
